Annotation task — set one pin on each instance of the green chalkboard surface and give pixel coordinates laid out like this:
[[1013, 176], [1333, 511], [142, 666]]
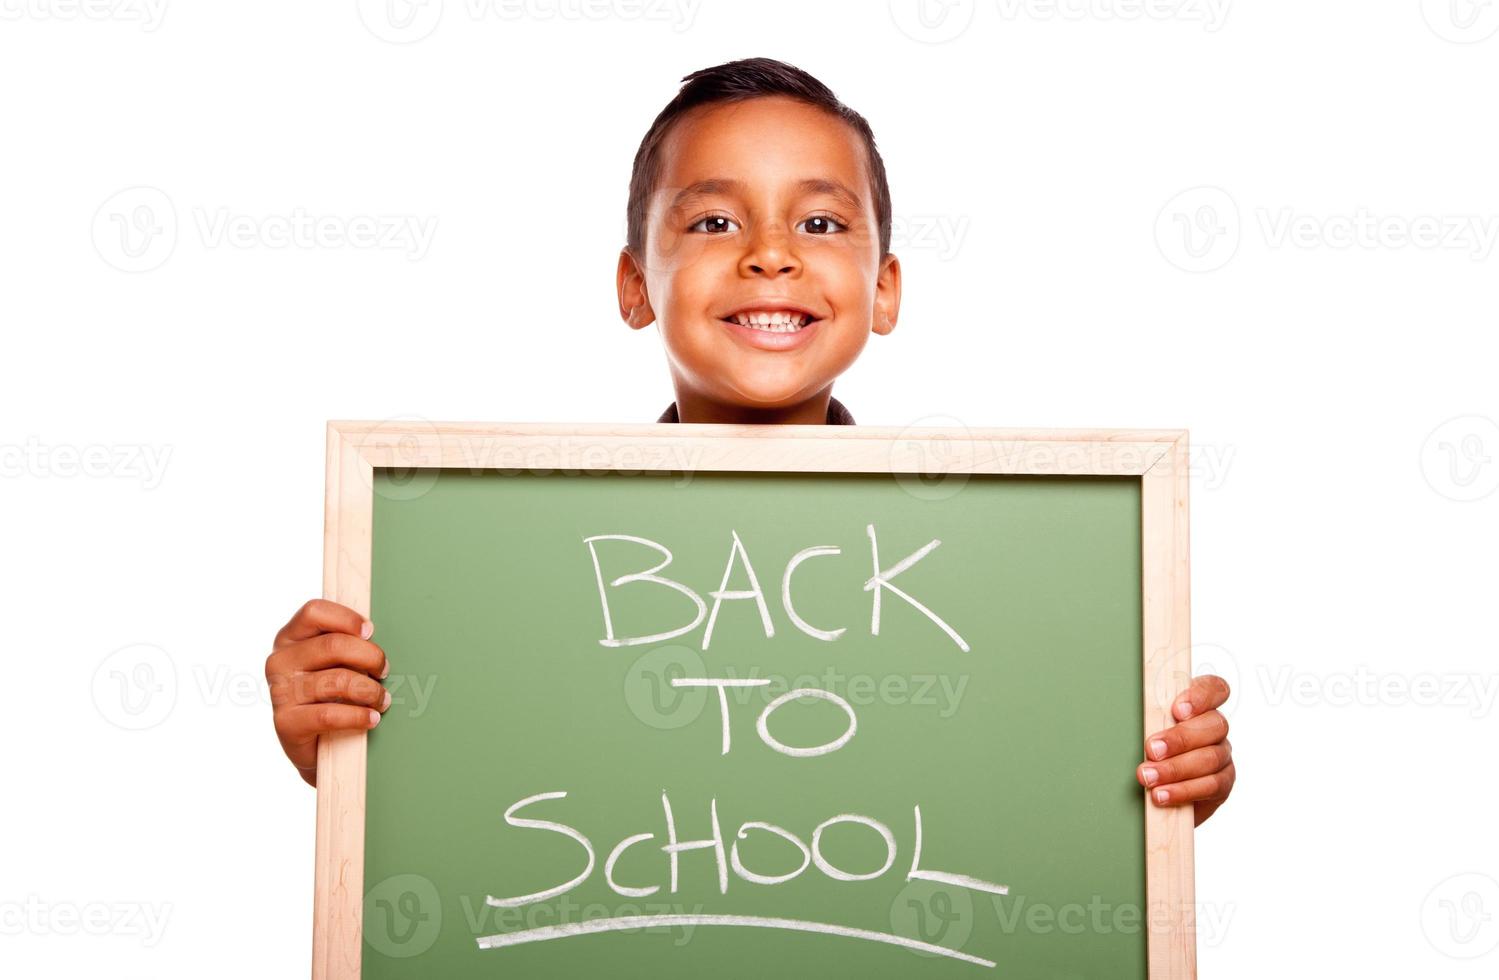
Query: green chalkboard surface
[[1000, 694]]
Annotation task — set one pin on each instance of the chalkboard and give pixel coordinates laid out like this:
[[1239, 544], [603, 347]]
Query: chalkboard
[[690, 710]]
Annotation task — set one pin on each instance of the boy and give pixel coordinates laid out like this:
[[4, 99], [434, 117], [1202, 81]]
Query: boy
[[759, 243]]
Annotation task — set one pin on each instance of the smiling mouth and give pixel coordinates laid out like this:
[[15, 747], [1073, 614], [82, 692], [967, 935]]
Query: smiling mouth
[[779, 321]]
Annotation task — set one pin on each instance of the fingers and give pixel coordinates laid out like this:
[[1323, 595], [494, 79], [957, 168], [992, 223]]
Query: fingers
[[1192, 761], [1210, 789], [337, 685], [305, 722], [1192, 764], [1194, 733], [323, 616], [1204, 694], [324, 651], [324, 676]]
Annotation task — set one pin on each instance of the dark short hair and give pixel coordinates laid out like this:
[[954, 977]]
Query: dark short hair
[[738, 81]]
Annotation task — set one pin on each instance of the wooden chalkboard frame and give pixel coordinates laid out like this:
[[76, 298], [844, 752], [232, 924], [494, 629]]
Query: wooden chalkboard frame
[[1157, 457]]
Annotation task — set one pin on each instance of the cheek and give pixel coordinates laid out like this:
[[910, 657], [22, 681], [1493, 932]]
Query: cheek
[[684, 304], [846, 276], [695, 285], [671, 253]]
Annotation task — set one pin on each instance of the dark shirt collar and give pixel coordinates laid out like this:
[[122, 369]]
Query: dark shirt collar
[[837, 414]]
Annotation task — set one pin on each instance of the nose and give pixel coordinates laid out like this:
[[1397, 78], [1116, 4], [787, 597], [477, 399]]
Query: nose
[[771, 253]]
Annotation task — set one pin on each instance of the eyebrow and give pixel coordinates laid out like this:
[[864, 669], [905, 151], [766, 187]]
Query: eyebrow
[[809, 185]]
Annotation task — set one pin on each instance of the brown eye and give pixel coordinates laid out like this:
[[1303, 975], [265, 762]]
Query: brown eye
[[715, 224], [822, 225]]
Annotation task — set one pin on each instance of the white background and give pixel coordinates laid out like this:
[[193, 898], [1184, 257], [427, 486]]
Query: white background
[[1256, 222]]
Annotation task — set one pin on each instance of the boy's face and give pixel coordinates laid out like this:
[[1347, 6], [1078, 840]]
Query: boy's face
[[763, 207]]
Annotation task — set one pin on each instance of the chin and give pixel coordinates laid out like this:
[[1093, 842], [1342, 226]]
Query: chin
[[771, 394]]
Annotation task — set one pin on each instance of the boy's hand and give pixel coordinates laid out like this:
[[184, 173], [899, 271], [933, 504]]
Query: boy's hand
[[324, 675], [1192, 762]]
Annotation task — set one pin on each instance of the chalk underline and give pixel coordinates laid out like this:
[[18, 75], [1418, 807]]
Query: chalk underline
[[626, 922]]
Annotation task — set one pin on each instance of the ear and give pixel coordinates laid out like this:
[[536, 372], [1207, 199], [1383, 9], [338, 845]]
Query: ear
[[887, 296], [634, 305]]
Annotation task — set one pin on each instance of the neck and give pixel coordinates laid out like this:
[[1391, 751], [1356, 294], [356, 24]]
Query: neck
[[695, 408]]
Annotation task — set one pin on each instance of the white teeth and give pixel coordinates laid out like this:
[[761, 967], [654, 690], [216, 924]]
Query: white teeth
[[777, 322]]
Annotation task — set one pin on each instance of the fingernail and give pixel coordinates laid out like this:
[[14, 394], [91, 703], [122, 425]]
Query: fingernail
[[1184, 710], [1161, 796], [385, 671], [1150, 776], [1157, 749], [374, 717], [385, 701], [367, 630]]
